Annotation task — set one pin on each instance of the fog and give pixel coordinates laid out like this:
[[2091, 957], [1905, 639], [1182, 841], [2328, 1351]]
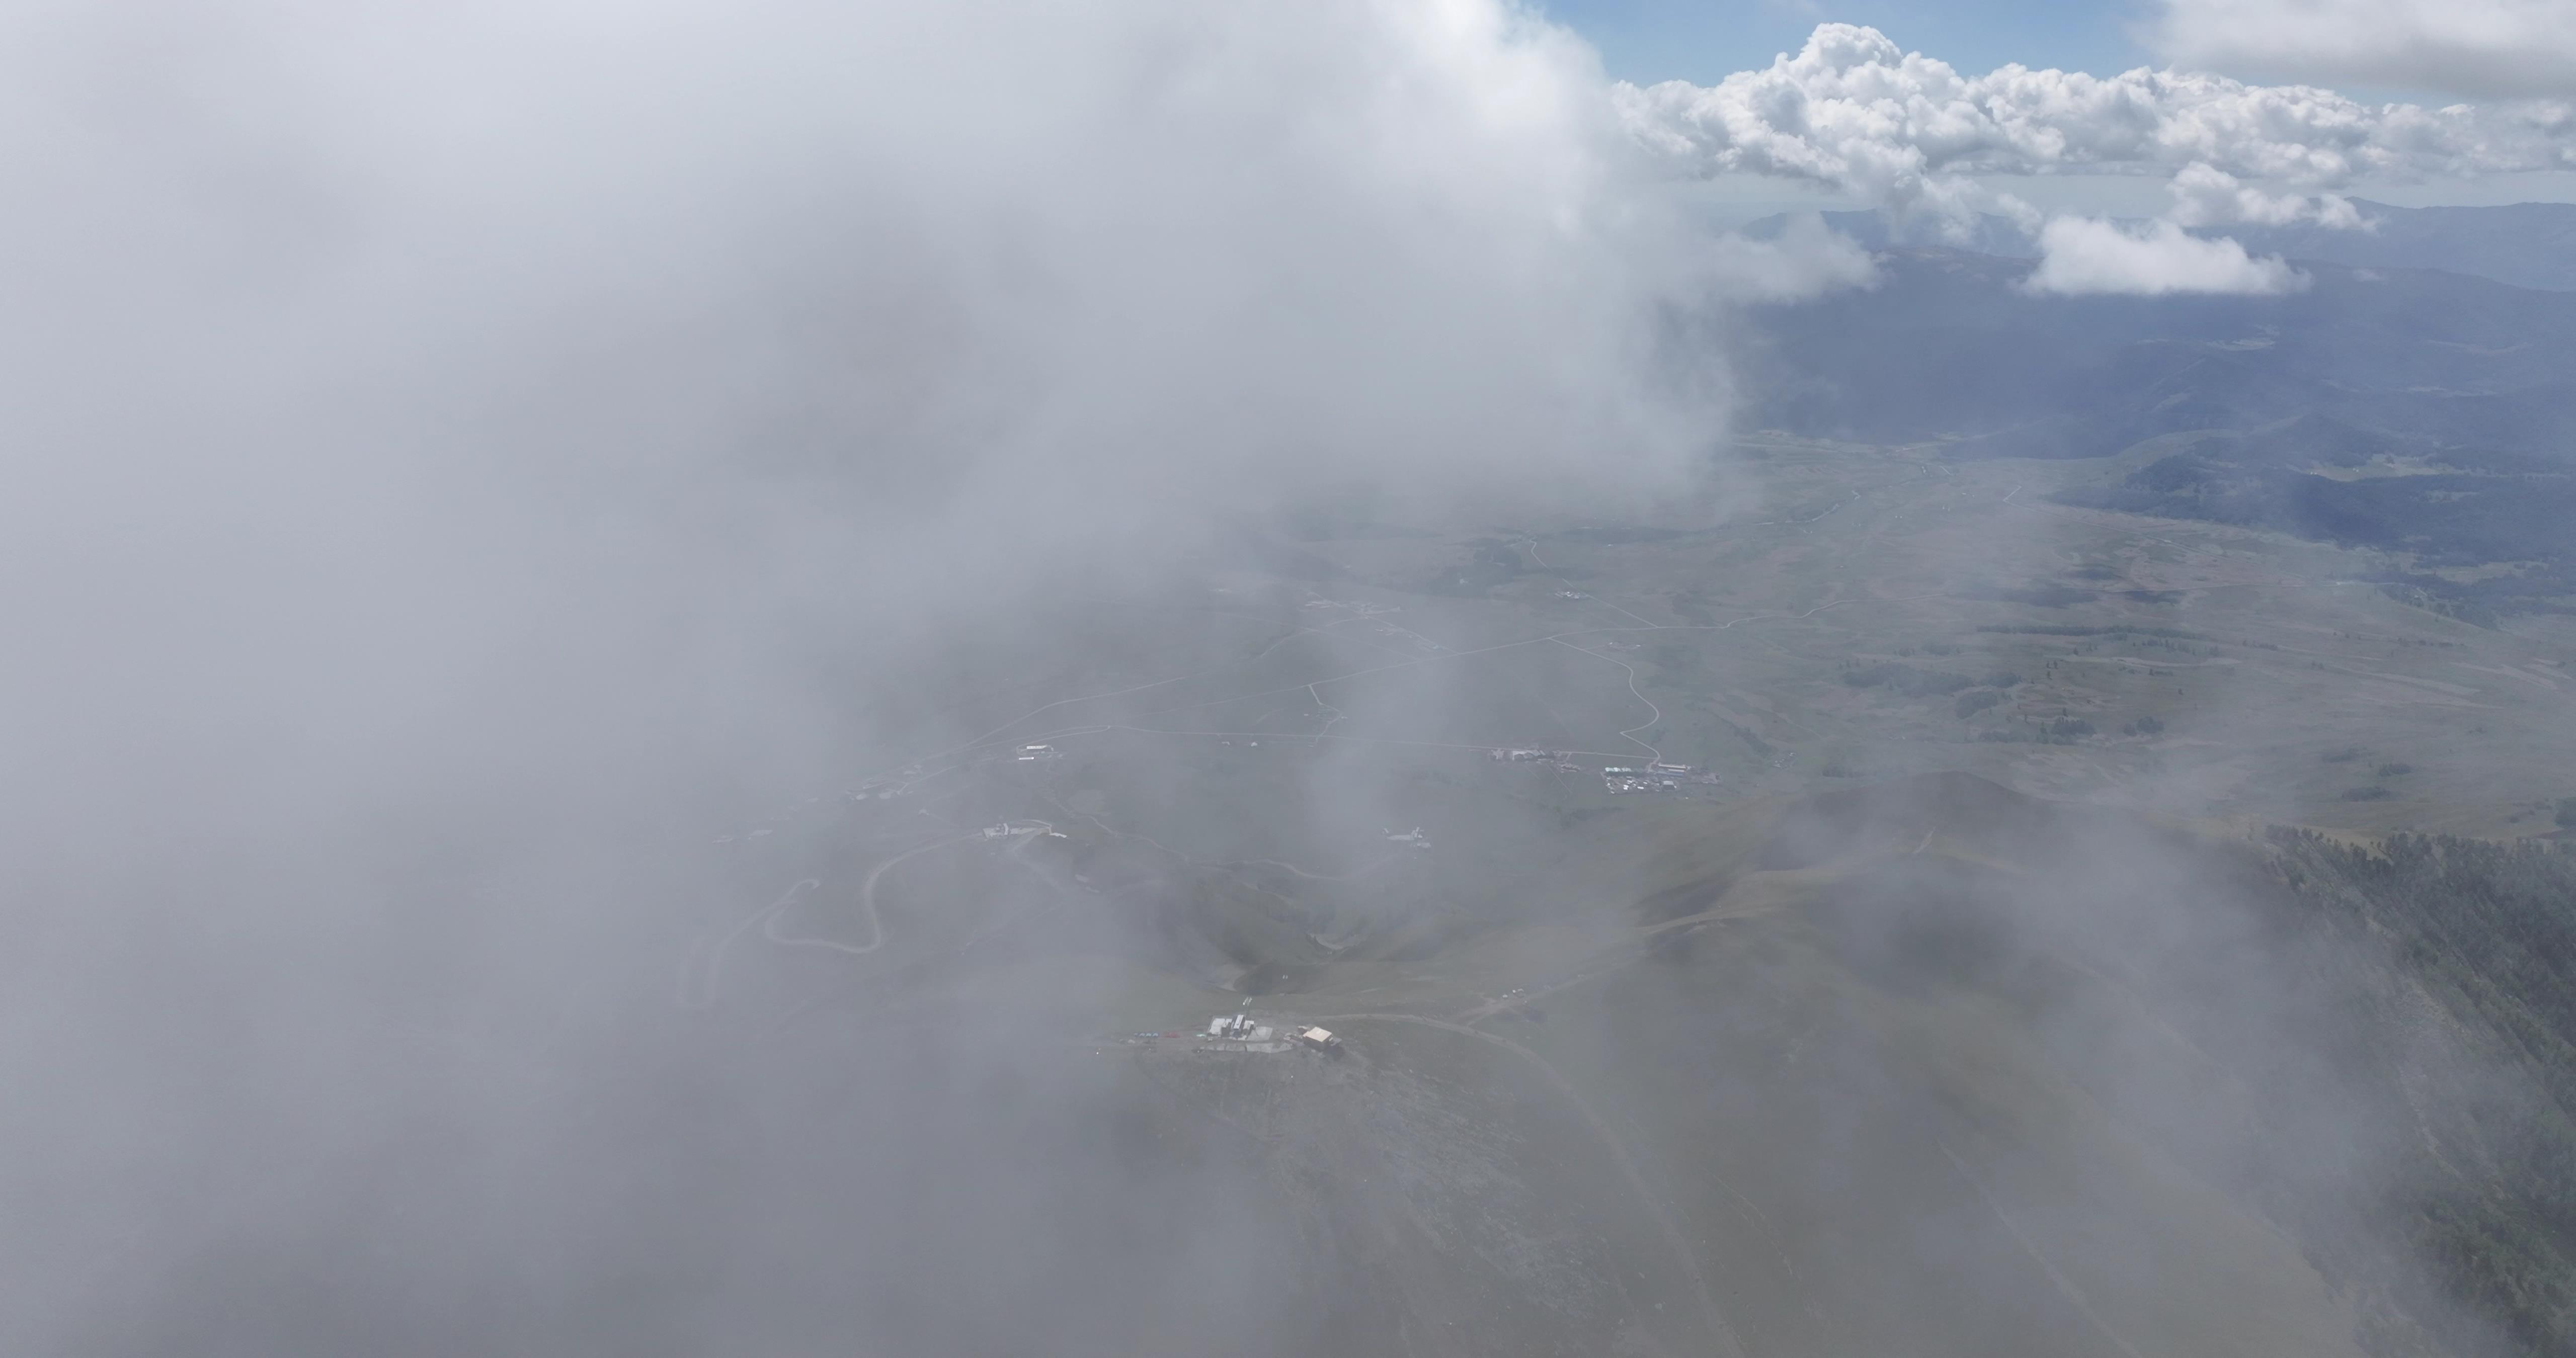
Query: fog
[[459, 456], [474, 471]]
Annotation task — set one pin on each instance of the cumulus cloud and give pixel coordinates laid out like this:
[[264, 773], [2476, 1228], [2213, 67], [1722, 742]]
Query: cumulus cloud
[[2205, 196], [2480, 48], [2084, 256], [1853, 111]]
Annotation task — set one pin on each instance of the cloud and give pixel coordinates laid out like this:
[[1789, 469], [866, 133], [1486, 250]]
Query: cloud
[[2479, 48], [1806, 259], [2084, 256], [2204, 196], [1853, 111], [503, 441]]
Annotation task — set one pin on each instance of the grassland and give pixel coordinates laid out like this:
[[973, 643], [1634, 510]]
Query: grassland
[[1957, 1080]]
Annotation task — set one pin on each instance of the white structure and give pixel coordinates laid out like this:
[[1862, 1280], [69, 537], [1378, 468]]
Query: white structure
[[1238, 1033]]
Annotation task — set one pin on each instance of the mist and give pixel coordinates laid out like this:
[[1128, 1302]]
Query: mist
[[655, 655], [461, 461]]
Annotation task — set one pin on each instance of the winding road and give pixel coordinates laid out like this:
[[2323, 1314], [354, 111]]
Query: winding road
[[698, 980], [867, 906]]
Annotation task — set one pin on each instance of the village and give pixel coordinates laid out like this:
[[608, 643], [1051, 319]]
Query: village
[[1240, 1033], [1616, 779]]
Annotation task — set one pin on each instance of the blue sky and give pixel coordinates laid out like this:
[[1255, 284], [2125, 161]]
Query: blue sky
[[1703, 40]]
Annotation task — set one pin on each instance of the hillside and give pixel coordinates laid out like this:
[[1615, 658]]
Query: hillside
[[1926, 1066], [2412, 411], [2095, 1056]]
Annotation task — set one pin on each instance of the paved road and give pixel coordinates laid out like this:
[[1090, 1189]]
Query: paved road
[[698, 981], [867, 906]]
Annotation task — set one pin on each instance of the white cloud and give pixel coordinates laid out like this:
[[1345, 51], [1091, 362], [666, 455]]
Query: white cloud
[[2083, 256], [2482, 48], [1807, 259], [2204, 196], [489, 439], [1853, 111]]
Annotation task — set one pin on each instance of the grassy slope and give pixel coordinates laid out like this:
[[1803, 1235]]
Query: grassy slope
[[1917, 1084]]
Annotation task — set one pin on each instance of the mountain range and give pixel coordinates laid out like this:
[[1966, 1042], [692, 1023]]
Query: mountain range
[[2418, 411]]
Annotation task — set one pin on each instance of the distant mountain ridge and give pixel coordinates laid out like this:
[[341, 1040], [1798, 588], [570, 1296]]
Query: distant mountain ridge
[[2529, 245], [2412, 411]]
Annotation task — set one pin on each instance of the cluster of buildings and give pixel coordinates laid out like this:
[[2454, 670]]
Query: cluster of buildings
[[1038, 754], [1416, 838], [1238, 1033], [1241, 1032], [1656, 777]]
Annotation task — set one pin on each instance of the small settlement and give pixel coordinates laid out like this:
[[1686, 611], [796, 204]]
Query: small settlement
[[1655, 777], [1241, 1033]]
